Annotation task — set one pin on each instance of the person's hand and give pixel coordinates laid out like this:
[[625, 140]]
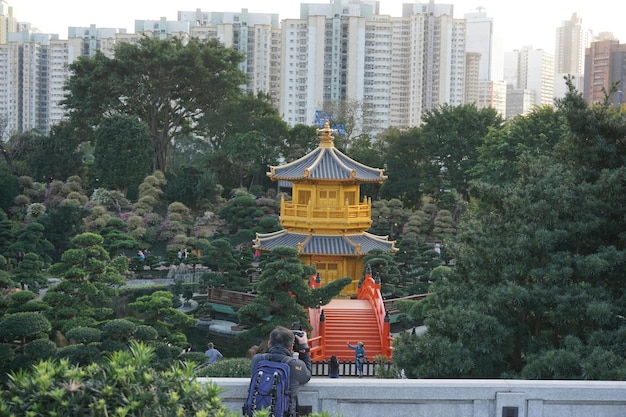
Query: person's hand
[[302, 340]]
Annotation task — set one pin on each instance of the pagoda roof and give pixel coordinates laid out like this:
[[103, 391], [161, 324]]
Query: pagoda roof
[[316, 244], [326, 163]]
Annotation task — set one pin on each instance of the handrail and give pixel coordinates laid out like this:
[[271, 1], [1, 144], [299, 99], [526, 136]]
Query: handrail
[[290, 209], [370, 291]]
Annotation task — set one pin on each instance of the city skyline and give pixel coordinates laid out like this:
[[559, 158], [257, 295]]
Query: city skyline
[[512, 25]]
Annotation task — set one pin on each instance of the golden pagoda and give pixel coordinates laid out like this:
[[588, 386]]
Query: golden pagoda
[[326, 220]]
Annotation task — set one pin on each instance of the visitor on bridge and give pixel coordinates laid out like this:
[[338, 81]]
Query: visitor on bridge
[[213, 354], [333, 367], [359, 356]]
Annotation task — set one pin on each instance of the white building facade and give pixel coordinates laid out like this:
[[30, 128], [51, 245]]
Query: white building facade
[[531, 69], [572, 38]]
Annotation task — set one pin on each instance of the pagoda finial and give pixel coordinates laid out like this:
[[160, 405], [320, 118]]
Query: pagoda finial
[[326, 133]]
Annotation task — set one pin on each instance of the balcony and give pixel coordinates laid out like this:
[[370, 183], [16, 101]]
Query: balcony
[[356, 217]]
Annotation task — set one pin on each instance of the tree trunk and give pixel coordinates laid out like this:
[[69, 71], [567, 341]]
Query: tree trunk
[[160, 153]]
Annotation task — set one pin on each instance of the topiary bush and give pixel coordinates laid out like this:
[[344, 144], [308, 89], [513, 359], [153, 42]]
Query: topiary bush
[[226, 368], [84, 335], [41, 349]]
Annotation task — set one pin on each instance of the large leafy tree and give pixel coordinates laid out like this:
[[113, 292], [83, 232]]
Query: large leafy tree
[[169, 84], [538, 285], [411, 174], [58, 155], [453, 135], [123, 153], [534, 134]]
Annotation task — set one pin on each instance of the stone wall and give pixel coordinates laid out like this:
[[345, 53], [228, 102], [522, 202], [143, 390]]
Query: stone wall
[[368, 397]]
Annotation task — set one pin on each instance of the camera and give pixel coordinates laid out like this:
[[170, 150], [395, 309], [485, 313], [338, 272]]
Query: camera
[[296, 328]]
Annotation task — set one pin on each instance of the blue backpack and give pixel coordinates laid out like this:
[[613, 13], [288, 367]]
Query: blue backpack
[[269, 386]]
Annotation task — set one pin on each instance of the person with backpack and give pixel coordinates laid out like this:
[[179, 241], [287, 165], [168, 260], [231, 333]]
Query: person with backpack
[[277, 375]]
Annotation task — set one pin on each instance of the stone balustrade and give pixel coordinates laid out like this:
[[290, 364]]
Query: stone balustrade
[[371, 397]]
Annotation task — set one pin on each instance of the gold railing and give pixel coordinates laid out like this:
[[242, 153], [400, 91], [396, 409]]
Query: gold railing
[[309, 211]]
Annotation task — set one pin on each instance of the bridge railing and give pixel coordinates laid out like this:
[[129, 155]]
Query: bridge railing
[[231, 298], [370, 290]]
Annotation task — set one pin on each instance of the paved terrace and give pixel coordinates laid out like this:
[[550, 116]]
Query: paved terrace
[[369, 397]]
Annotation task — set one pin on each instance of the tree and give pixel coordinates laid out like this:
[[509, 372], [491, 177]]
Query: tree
[[246, 135], [23, 327], [61, 225], [241, 212], [301, 139], [159, 312], [453, 135], [284, 293], [538, 282], [533, 134], [169, 84], [28, 272], [89, 280], [31, 239], [411, 173], [59, 155], [9, 188], [116, 238], [123, 153], [352, 115], [194, 187]]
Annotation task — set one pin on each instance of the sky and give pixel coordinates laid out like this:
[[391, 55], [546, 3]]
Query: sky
[[522, 23]]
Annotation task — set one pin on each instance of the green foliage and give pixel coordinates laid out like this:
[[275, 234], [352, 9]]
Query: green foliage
[[61, 225], [57, 156], [88, 283], [145, 333], [23, 327], [9, 189], [82, 355], [536, 290], [226, 368], [31, 239], [28, 272], [384, 369], [123, 153], [192, 186], [125, 384], [284, 293], [157, 310], [119, 329], [454, 134], [84, 335], [40, 349], [171, 85], [384, 266], [241, 212]]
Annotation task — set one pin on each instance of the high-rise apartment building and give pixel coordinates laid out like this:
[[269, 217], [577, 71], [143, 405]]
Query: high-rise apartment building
[[255, 35], [389, 70], [605, 65], [24, 82], [531, 69], [437, 47], [8, 23], [572, 38], [480, 38]]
